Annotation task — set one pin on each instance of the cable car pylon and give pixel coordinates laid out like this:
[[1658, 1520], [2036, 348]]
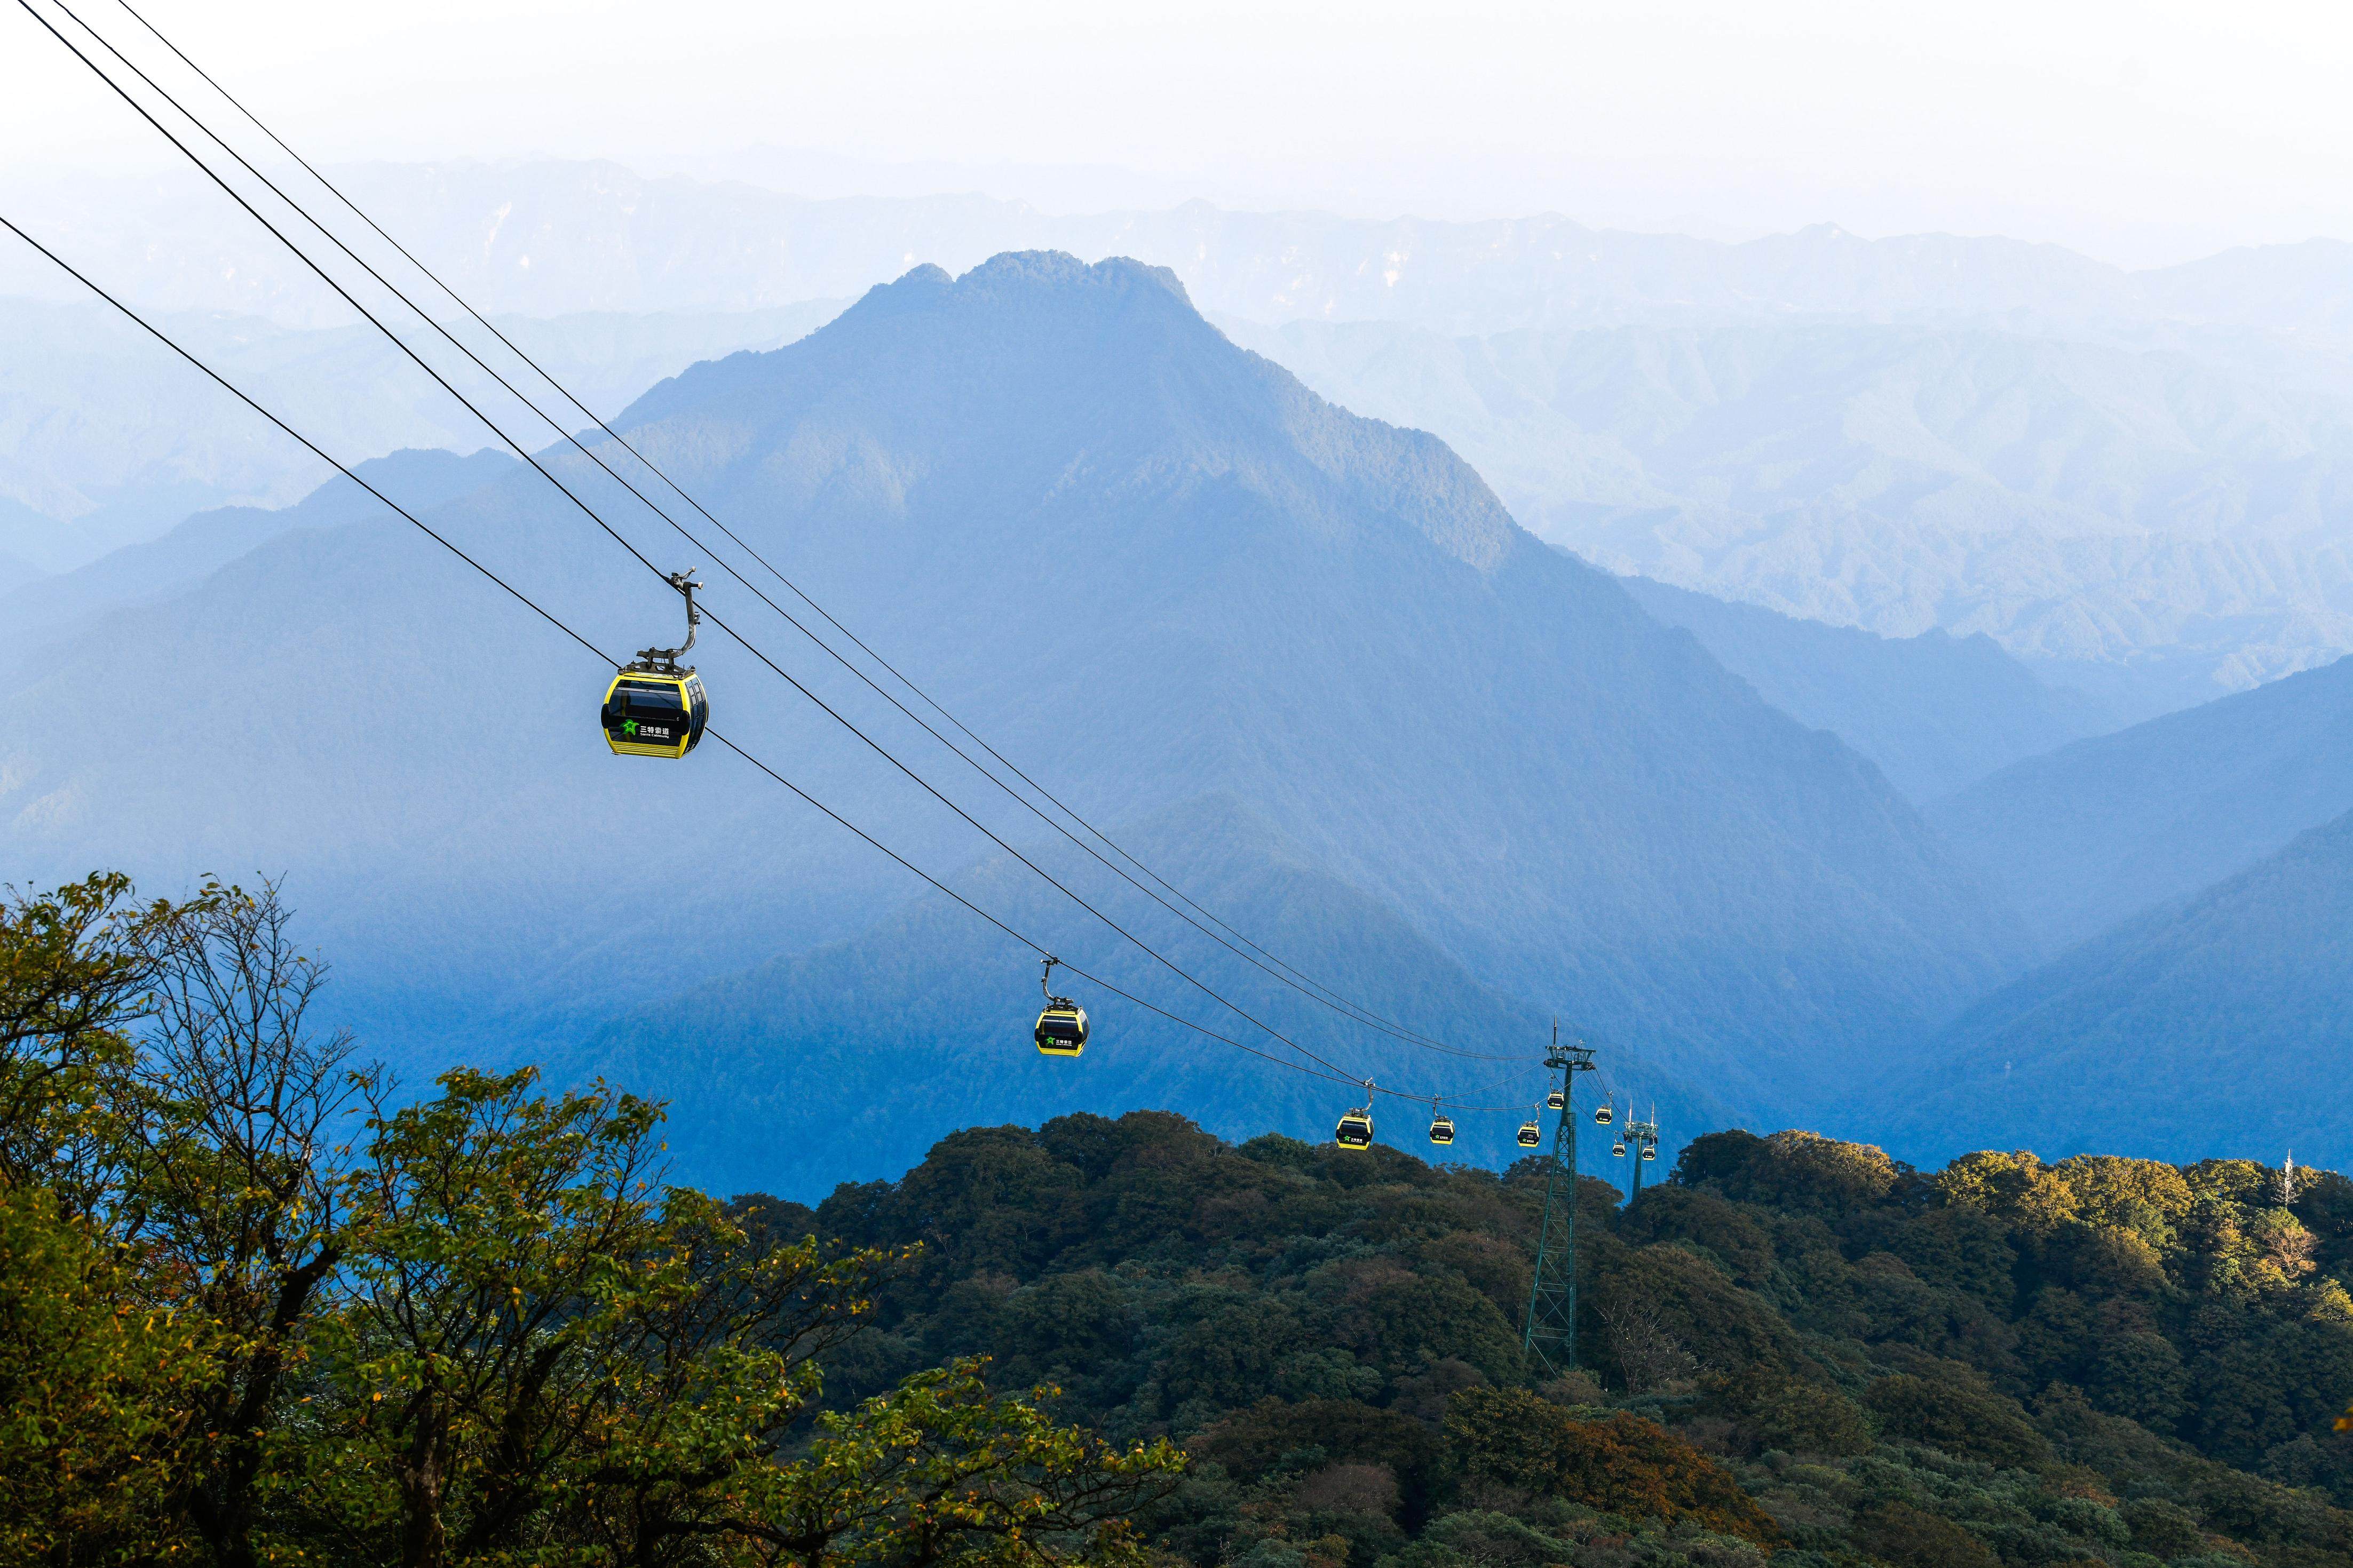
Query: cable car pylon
[[1644, 1137], [1550, 1334]]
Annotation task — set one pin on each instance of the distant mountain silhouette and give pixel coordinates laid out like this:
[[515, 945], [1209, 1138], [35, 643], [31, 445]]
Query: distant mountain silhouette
[[114, 439], [2132, 519], [1152, 568], [2102, 829], [548, 236], [159, 568], [2130, 478], [2219, 1023], [15, 570], [1934, 711]]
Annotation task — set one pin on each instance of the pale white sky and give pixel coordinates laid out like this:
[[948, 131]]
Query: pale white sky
[[2140, 132]]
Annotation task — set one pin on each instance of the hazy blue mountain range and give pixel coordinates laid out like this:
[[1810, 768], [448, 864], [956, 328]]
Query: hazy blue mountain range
[[2105, 828], [1153, 568], [159, 568], [2130, 480], [543, 237], [2138, 521], [107, 437], [15, 570], [1934, 711], [2217, 1023]]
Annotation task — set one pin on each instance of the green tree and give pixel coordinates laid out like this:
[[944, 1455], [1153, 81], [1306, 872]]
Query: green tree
[[1799, 1171], [1230, 1349], [1787, 1413], [1913, 1537], [2139, 1374], [113, 1352], [2144, 1197], [1672, 1296], [1967, 1421], [1959, 1247], [75, 968], [1403, 1325], [483, 1329], [1622, 1465], [230, 1188], [542, 1348], [1708, 1224], [1254, 1443], [939, 1471], [530, 1316], [94, 1381], [2017, 1189]]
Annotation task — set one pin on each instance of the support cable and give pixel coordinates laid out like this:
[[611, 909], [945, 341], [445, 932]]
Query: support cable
[[639, 555], [607, 659], [1257, 956]]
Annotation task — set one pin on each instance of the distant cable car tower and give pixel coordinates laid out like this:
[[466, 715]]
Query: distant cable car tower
[[1642, 1140], [1551, 1333]]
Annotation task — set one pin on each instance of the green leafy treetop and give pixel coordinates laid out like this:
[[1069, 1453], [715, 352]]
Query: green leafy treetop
[[239, 1326]]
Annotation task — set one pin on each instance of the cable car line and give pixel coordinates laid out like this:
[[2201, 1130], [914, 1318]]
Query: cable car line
[[619, 538], [553, 620], [1202, 1029], [1315, 990], [569, 494]]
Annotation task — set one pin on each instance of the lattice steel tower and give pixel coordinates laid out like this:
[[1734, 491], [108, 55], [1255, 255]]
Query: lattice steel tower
[[1551, 1333], [1642, 1136]]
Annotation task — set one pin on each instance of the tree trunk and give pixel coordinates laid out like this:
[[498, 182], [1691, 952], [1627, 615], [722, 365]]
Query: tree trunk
[[423, 1543]]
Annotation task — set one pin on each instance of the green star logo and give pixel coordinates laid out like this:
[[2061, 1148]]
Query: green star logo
[[629, 726]]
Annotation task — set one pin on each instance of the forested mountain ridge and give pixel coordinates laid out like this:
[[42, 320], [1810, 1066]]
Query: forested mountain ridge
[[2132, 474], [257, 1302], [2130, 518], [1795, 1343], [850, 1040]]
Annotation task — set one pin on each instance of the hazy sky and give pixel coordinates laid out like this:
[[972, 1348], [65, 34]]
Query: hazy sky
[[2142, 132]]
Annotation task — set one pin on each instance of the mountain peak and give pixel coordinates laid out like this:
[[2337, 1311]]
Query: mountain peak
[[1014, 274], [1059, 269], [1064, 388]]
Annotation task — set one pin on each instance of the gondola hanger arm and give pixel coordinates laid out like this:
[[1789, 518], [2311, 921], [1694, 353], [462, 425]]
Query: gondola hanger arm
[[685, 582]]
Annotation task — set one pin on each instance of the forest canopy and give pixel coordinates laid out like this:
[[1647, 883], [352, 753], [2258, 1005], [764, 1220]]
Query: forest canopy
[[260, 1304], [1795, 1347]]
